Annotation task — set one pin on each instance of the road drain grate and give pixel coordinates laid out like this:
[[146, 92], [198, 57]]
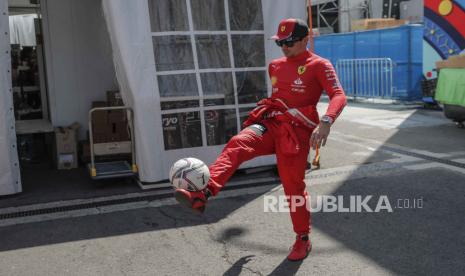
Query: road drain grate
[[426, 157], [80, 206], [91, 205]]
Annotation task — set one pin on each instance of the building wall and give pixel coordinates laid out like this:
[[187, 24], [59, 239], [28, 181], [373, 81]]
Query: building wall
[[78, 59], [349, 10], [412, 11]]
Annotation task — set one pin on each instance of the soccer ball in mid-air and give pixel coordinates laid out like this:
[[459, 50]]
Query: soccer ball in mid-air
[[190, 174]]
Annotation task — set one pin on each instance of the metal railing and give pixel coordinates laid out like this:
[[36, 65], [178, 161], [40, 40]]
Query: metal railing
[[368, 78]]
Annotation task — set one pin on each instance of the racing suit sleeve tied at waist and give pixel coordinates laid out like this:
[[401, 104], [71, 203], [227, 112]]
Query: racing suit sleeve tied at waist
[[306, 117]]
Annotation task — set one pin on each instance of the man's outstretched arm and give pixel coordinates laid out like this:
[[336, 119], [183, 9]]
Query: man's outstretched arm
[[337, 100]]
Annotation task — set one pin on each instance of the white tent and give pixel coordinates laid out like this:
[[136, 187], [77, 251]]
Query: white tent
[[151, 75], [10, 180], [209, 80]]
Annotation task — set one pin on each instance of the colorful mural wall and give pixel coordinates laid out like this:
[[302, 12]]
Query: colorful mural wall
[[444, 33]]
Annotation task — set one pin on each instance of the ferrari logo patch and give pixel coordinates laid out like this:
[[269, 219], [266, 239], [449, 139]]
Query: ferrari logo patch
[[274, 79], [283, 28], [301, 69]]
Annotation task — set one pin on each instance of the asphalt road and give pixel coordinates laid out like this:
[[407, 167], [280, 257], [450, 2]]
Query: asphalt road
[[413, 158]]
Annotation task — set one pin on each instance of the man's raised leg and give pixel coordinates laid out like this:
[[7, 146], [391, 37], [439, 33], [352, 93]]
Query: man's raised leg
[[251, 142]]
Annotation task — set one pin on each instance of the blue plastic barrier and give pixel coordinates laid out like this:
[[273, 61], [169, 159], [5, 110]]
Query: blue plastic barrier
[[401, 44]]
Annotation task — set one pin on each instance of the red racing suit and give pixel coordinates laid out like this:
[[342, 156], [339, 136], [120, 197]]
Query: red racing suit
[[282, 125]]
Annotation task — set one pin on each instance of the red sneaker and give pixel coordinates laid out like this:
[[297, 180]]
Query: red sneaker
[[194, 200], [300, 249]]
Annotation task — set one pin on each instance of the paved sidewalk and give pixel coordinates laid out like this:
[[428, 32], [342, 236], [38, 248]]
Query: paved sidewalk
[[401, 155]]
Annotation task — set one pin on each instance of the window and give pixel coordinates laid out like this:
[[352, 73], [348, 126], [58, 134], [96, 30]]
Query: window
[[182, 130], [173, 53], [168, 15], [218, 88], [221, 125], [178, 91], [245, 19], [210, 67], [208, 15], [244, 114], [212, 51], [251, 86], [248, 50]]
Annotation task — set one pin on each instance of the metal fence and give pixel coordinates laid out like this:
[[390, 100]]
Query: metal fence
[[368, 78]]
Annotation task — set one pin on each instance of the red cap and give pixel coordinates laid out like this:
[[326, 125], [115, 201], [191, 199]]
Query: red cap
[[291, 29]]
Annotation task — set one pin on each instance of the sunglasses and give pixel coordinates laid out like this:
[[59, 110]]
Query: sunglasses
[[289, 43]]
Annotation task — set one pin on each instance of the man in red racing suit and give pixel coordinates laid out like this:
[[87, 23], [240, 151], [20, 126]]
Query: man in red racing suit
[[286, 124]]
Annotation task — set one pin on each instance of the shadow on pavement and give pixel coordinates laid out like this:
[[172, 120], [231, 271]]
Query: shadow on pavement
[[408, 240], [413, 239], [238, 266], [286, 268], [42, 184], [119, 223]]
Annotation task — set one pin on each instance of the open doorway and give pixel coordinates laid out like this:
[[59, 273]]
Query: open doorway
[[27, 60], [51, 169], [29, 86]]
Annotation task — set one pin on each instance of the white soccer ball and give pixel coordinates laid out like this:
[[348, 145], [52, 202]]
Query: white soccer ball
[[190, 174]]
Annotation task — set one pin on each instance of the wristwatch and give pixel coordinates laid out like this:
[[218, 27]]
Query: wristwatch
[[326, 120]]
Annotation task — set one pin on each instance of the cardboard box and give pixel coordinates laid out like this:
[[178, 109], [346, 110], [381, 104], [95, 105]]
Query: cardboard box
[[123, 130], [117, 116], [376, 23], [102, 128], [99, 104], [457, 61], [66, 141], [66, 147], [114, 137], [100, 138], [101, 132], [66, 161], [114, 98], [113, 148], [456, 57], [100, 117], [441, 64]]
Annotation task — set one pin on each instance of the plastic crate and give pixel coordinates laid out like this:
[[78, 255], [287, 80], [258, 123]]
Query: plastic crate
[[428, 87]]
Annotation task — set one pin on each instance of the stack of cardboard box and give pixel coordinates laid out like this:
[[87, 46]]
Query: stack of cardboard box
[[457, 61], [376, 23], [114, 98], [110, 125]]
